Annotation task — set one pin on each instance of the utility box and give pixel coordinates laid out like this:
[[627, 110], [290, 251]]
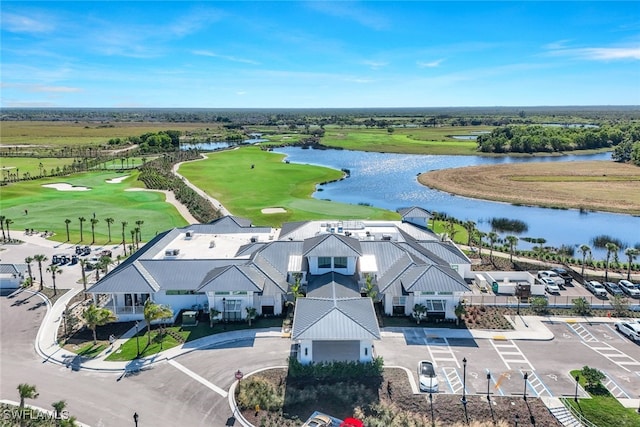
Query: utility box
[[189, 318]]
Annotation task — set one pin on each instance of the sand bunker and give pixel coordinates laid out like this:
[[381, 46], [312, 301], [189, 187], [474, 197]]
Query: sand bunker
[[273, 210], [63, 186], [117, 180]]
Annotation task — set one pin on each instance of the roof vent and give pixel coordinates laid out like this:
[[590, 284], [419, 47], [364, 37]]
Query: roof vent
[[188, 235], [171, 252]]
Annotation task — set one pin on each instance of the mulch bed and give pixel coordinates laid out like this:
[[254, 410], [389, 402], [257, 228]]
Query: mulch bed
[[447, 409]]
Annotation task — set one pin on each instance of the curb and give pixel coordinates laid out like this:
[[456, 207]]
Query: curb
[[37, 408]]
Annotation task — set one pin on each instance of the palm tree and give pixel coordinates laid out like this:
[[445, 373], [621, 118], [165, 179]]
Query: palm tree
[[213, 314], [133, 240], [97, 316], [585, 249], [612, 248], [480, 235], [26, 391], [58, 407], [93, 221], [370, 288], [469, 226], [251, 314], [83, 264], [137, 234], [67, 222], [419, 312], [40, 258], [8, 221], [139, 224], [54, 269], [493, 238], [2, 218], [512, 241], [109, 221], [153, 311], [124, 244], [631, 254], [28, 260], [81, 219]]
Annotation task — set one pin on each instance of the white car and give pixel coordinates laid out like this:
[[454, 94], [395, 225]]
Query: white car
[[596, 288], [631, 330], [551, 275], [629, 288], [427, 376], [550, 286]]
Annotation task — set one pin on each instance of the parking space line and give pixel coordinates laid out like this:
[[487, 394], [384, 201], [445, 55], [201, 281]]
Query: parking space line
[[618, 334], [613, 355], [496, 384], [614, 388], [435, 350], [198, 378], [453, 379], [581, 332], [511, 356], [536, 384]]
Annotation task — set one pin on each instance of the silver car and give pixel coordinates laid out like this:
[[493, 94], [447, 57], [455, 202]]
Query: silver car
[[427, 376], [596, 288], [629, 288]]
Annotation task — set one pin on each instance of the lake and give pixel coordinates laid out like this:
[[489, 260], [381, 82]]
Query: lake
[[389, 181]]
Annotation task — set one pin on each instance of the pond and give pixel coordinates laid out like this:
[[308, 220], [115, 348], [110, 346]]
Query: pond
[[389, 181]]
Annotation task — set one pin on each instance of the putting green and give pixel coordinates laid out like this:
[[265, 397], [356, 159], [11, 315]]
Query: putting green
[[249, 179], [47, 208]]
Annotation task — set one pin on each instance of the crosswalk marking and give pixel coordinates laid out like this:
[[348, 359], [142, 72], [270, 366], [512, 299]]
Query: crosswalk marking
[[453, 379], [536, 385], [614, 355], [614, 388], [510, 353], [442, 353], [582, 332]]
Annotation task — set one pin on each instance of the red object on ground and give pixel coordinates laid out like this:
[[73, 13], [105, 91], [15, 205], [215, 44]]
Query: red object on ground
[[351, 422]]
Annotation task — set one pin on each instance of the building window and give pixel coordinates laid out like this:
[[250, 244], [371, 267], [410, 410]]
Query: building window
[[232, 310], [340, 262], [435, 305], [324, 262]]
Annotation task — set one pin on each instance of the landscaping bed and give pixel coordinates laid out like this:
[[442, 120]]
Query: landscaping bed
[[291, 402]]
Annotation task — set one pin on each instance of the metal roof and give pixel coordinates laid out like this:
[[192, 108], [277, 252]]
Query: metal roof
[[232, 278], [131, 279], [334, 245], [332, 286], [433, 278], [335, 320], [447, 251], [414, 212], [14, 268]]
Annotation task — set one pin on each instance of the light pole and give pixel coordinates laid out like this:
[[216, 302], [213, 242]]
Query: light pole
[[464, 381], [224, 313], [135, 418], [516, 419], [524, 394], [239, 375], [488, 382], [137, 340], [575, 396]]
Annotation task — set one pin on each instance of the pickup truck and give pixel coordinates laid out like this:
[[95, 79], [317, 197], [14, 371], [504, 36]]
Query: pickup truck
[[564, 274], [551, 275]]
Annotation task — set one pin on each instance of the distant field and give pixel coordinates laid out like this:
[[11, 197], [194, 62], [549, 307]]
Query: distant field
[[82, 133], [48, 208], [403, 140], [31, 165], [596, 185], [245, 191]]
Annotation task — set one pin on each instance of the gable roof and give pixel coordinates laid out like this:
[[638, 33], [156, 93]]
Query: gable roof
[[447, 251], [433, 278], [332, 286], [335, 245], [133, 278], [335, 320], [414, 212], [232, 278]]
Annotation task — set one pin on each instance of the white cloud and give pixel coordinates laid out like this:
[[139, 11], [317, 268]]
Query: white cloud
[[375, 65], [26, 24], [594, 53], [225, 57], [431, 64], [352, 11]]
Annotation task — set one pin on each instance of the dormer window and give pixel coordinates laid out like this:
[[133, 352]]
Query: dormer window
[[340, 262], [324, 262]]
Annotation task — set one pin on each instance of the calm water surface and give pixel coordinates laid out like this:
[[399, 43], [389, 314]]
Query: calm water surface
[[389, 181]]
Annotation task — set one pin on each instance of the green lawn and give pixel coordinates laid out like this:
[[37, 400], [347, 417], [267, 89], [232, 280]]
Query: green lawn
[[48, 208], [245, 191], [91, 350], [603, 409], [129, 349], [403, 140]]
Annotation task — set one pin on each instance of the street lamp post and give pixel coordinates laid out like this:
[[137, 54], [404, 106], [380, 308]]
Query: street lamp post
[[464, 381], [488, 383], [137, 340], [224, 313], [516, 419], [239, 375], [135, 418], [526, 377], [575, 396]]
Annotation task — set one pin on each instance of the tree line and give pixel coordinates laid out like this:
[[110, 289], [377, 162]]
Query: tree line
[[549, 139]]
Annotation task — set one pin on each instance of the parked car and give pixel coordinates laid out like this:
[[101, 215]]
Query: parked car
[[613, 288], [631, 330], [596, 288], [629, 288], [427, 376], [550, 286], [551, 275], [319, 420], [564, 274]]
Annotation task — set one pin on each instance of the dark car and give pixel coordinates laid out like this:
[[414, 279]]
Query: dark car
[[563, 273], [613, 288]]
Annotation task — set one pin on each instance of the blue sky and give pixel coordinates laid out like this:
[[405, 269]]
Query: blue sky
[[241, 54]]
